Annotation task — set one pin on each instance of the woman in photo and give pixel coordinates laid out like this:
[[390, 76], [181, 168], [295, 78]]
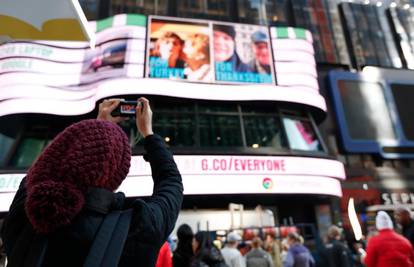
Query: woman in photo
[[197, 57], [169, 48]]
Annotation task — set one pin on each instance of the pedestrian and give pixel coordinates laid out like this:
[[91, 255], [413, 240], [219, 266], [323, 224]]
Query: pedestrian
[[244, 248], [164, 256], [298, 255], [285, 249], [257, 257], [272, 246], [184, 252], [205, 253], [231, 254], [337, 253], [388, 248], [69, 190], [403, 217]]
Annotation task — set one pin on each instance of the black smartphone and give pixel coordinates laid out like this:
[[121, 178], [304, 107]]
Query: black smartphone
[[125, 109]]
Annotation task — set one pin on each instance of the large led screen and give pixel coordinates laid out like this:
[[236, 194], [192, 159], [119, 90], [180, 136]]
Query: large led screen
[[373, 110], [185, 58], [206, 51], [366, 112], [403, 96]]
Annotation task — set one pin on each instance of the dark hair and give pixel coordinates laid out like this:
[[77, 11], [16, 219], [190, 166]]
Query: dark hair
[[184, 232], [184, 249], [206, 252], [204, 240]]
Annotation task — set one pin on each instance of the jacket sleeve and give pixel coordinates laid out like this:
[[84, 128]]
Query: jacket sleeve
[[167, 197], [289, 260], [15, 220]]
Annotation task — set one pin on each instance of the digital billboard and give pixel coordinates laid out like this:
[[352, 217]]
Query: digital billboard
[[206, 51], [378, 99], [136, 55]]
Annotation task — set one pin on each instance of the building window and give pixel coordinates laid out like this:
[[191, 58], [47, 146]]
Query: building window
[[203, 9], [301, 135], [90, 8], [220, 131], [144, 7], [188, 127], [177, 129], [6, 144], [264, 12], [28, 150]]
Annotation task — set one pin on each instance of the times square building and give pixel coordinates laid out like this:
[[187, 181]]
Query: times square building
[[265, 138]]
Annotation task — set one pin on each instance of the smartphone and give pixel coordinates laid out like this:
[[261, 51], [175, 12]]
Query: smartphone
[[125, 109]]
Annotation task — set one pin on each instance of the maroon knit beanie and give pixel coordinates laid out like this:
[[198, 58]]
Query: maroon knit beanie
[[88, 153]]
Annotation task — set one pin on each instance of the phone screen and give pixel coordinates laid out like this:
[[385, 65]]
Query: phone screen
[[127, 109]]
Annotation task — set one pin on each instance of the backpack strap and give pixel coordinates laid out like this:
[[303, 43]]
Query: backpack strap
[[109, 242]]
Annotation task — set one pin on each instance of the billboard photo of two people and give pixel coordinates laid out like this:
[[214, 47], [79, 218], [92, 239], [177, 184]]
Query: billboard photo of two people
[[200, 51], [180, 50]]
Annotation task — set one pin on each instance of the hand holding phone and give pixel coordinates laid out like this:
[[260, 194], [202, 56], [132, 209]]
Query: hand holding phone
[[106, 108], [144, 117]]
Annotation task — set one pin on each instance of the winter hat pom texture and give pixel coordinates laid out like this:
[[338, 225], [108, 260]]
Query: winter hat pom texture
[[88, 153]]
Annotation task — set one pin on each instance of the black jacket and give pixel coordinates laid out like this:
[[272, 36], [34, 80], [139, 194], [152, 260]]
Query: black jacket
[[337, 254], [151, 223], [408, 232]]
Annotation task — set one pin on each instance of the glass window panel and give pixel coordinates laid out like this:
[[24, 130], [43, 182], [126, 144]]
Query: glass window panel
[[366, 112], [403, 96], [5, 146], [177, 130], [264, 12], [301, 135], [145, 7], [224, 131], [173, 107], [206, 9], [263, 131], [261, 108], [214, 107], [90, 8], [28, 150]]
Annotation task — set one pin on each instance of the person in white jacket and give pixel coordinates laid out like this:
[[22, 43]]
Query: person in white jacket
[[231, 254]]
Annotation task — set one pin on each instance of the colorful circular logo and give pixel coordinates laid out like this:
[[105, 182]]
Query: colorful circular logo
[[267, 183]]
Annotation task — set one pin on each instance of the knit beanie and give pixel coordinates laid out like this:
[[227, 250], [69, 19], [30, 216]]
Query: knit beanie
[[228, 29], [90, 153], [383, 221]]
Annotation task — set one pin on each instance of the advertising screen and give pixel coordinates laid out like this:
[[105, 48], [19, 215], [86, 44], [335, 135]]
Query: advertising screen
[[180, 50], [206, 51], [373, 111], [137, 55]]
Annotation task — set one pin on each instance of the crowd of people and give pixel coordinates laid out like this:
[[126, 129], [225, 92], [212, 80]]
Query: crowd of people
[[200, 250], [385, 248]]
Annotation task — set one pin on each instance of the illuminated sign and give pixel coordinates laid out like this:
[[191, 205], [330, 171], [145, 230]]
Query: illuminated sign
[[243, 175], [206, 51], [267, 183], [68, 78]]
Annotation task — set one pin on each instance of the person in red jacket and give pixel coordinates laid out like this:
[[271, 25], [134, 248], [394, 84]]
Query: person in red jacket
[[388, 248], [164, 256]]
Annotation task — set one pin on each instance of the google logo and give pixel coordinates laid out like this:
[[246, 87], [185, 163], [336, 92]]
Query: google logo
[[267, 183]]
